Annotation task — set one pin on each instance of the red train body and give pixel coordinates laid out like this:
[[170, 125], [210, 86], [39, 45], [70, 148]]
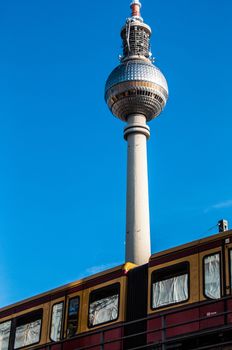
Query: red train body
[[181, 299]]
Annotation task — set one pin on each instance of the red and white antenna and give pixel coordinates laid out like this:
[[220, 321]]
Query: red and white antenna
[[135, 7]]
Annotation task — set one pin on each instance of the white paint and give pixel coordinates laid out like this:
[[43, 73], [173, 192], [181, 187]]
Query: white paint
[[138, 245]]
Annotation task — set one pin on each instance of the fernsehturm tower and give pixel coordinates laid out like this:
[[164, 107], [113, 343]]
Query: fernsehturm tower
[[136, 92]]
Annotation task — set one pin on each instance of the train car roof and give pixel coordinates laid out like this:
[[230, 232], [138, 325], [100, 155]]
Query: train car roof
[[68, 288], [189, 248]]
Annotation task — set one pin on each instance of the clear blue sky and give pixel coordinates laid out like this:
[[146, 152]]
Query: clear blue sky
[[62, 154]]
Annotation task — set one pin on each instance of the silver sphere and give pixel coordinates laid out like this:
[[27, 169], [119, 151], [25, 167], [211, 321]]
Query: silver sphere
[[136, 86]]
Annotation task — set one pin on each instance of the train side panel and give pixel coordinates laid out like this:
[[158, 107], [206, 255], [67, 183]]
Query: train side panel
[[207, 306], [89, 312]]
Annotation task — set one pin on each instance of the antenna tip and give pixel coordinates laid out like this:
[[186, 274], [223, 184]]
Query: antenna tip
[[135, 6], [136, 2]]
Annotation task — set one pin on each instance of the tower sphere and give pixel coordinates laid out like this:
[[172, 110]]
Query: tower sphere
[[136, 86]]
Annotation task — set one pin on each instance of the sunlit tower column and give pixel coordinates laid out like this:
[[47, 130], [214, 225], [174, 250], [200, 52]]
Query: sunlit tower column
[[136, 92]]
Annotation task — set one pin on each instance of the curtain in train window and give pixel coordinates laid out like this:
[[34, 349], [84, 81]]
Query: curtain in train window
[[56, 325], [103, 305], [212, 276], [72, 321], [5, 335], [170, 285], [27, 331]]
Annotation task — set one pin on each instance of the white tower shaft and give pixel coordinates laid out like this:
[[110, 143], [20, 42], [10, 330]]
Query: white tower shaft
[[138, 245]]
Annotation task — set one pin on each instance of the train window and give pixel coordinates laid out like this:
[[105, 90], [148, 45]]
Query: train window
[[28, 329], [103, 305], [72, 322], [170, 285], [5, 328], [212, 276], [56, 324]]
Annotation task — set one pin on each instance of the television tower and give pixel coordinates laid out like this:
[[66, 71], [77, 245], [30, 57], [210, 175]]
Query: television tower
[[136, 92]]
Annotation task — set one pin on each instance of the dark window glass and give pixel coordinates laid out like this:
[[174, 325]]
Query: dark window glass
[[72, 321], [28, 329], [212, 276], [56, 323], [103, 305], [170, 285], [5, 328]]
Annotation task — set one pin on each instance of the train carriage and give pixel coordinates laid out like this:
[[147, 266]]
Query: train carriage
[[190, 291], [70, 316], [180, 300]]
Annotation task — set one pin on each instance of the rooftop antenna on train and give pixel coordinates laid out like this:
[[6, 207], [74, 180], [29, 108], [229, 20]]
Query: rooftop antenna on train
[[223, 225], [136, 92]]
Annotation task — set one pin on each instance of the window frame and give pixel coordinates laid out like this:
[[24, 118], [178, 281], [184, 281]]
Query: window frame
[[203, 273], [67, 315], [62, 321], [169, 276], [114, 285], [21, 317]]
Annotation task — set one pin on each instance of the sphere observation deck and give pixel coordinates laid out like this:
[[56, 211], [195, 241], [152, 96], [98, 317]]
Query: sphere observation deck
[[136, 86]]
